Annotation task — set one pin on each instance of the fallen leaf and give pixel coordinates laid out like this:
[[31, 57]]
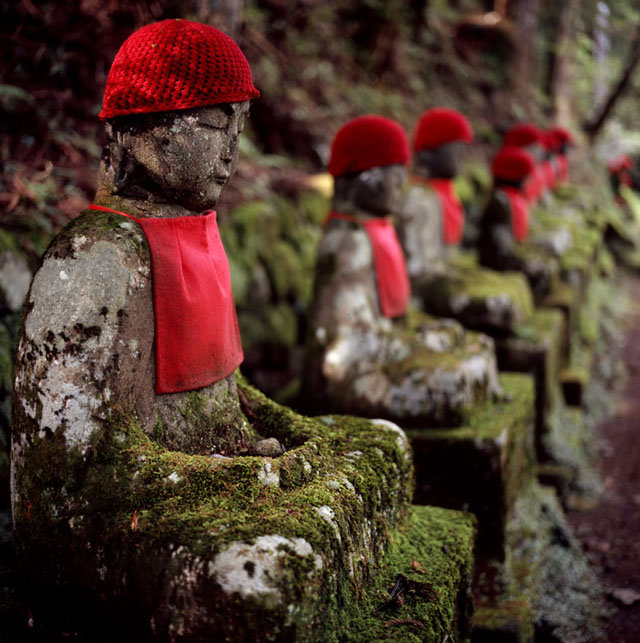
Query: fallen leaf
[[134, 520], [625, 596], [417, 567]]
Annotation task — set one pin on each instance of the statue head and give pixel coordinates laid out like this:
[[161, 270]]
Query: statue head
[[527, 136], [563, 138], [439, 141], [176, 100], [512, 166], [368, 161]]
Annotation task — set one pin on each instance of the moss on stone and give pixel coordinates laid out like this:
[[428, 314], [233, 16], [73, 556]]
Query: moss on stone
[[509, 621], [434, 547], [591, 310], [491, 419], [547, 569], [141, 501], [479, 297], [483, 283], [494, 460], [92, 223], [271, 246]]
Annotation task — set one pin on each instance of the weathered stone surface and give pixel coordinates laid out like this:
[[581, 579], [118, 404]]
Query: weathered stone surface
[[419, 225], [446, 284], [6, 377], [537, 348], [187, 546], [547, 589], [498, 249], [509, 621], [547, 569], [360, 362], [87, 346], [269, 447], [142, 516], [481, 467]]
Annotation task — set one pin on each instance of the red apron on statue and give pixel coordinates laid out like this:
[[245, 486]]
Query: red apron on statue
[[392, 280], [519, 207], [196, 329], [549, 174], [563, 168], [452, 212]]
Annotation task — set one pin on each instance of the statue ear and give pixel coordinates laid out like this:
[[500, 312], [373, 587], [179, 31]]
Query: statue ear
[[119, 160]]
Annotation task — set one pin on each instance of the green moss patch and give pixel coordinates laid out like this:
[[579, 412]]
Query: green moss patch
[[483, 465], [434, 552], [509, 621], [342, 487], [472, 293], [547, 569]]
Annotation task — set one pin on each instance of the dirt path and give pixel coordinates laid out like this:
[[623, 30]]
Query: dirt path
[[610, 532]]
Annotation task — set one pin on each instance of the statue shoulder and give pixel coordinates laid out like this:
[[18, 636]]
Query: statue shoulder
[[420, 199], [345, 245], [91, 227], [89, 273]]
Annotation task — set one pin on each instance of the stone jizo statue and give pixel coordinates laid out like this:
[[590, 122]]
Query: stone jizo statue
[[504, 226], [430, 220], [153, 490], [369, 352]]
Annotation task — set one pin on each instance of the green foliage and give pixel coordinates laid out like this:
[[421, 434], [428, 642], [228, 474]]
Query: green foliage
[[271, 247]]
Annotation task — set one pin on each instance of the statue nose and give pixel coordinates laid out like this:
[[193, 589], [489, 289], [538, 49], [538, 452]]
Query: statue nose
[[228, 150]]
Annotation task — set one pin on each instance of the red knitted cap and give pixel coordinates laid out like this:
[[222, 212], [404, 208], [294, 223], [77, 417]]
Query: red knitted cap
[[619, 163], [440, 125], [523, 134], [512, 164], [176, 64], [562, 134], [366, 142]]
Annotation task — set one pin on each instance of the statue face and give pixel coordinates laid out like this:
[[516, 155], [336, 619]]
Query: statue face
[[537, 151], [184, 157], [378, 191], [441, 162]]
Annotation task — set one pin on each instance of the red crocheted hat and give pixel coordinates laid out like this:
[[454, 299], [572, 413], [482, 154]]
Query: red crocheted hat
[[512, 164], [562, 134], [619, 163], [176, 64], [366, 142], [440, 125], [523, 134]]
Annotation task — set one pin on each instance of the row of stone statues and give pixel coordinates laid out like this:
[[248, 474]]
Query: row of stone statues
[[147, 477]]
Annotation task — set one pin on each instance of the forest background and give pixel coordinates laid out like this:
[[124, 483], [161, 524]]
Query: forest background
[[317, 63]]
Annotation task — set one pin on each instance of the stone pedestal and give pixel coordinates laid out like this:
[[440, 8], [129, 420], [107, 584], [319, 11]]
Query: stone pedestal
[[479, 298], [482, 466], [536, 348], [547, 590], [430, 565], [164, 544]]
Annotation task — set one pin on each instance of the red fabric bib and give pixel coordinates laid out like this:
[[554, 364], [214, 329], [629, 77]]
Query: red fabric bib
[[519, 212], [549, 175], [563, 168], [452, 212], [392, 280], [196, 328], [535, 185]]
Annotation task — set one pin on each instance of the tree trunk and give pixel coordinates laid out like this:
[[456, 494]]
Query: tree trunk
[[526, 30], [559, 64], [593, 126]]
